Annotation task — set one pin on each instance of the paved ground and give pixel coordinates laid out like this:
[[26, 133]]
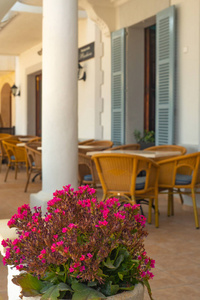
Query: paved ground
[[175, 245]]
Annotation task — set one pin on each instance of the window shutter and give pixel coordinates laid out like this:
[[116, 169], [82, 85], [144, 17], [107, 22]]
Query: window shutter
[[165, 76], [118, 87]]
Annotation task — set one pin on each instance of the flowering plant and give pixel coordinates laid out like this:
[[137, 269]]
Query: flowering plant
[[81, 249]]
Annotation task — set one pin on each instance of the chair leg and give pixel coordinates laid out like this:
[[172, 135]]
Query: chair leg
[[195, 209], [16, 169], [27, 182], [181, 197], [8, 167], [170, 203], [156, 212], [150, 210]]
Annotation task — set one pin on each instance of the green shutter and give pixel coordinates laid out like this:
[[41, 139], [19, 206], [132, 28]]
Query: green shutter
[[118, 87], [165, 76]]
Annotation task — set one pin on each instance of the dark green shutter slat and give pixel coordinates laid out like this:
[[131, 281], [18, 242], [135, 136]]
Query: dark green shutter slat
[[165, 76], [118, 87]]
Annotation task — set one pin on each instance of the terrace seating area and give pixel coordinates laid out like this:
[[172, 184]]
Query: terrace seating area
[[174, 245]]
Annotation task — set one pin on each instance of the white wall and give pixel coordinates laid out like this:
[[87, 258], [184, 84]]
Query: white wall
[[188, 78], [28, 62], [94, 94]]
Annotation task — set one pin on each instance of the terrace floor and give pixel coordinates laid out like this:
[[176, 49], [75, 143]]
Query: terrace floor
[[175, 245]]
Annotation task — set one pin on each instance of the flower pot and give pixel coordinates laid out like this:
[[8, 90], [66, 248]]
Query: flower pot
[[136, 294]]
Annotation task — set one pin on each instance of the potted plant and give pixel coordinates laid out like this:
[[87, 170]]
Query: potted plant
[[145, 141], [81, 249]]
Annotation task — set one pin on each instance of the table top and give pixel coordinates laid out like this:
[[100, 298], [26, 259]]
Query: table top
[[88, 147], [25, 139], [145, 153]]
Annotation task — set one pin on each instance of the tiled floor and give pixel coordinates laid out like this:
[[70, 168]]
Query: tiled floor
[[175, 245]]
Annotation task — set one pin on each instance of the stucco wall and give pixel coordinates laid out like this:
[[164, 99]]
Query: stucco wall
[[188, 78], [10, 79], [28, 63]]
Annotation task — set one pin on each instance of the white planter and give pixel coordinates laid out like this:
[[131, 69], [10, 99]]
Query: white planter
[[136, 294]]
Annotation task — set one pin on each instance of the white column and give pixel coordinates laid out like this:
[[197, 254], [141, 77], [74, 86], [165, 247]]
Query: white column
[[59, 97]]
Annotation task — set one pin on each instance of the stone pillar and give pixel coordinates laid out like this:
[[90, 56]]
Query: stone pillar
[[59, 98]]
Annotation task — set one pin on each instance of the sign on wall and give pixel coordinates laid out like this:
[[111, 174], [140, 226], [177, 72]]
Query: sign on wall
[[86, 52]]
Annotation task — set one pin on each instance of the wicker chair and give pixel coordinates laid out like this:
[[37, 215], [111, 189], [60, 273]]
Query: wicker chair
[[3, 154], [127, 147], [95, 146], [87, 173], [118, 174], [34, 157], [85, 142], [104, 143], [16, 156], [182, 149], [178, 173]]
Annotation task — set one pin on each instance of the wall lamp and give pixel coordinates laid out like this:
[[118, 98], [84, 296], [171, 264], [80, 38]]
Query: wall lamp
[[81, 73], [15, 90]]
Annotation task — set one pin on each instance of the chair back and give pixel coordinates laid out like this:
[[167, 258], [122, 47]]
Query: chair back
[[34, 155], [104, 143], [85, 142], [86, 166], [188, 165], [119, 173], [127, 147], [182, 149], [3, 136], [14, 152]]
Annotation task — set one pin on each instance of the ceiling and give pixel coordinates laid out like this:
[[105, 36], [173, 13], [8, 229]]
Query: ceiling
[[21, 25], [20, 29]]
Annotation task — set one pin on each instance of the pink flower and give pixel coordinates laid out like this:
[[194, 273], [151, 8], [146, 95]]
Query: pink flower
[[19, 267], [104, 223], [43, 251], [76, 265], [71, 225], [71, 269], [64, 230], [89, 255], [82, 257], [4, 243], [82, 268]]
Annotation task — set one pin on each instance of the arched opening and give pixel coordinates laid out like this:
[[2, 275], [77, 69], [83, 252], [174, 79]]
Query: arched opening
[[6, 108]]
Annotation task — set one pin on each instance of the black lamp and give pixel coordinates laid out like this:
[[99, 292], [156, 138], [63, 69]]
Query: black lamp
[[15, 90], [81, 73]]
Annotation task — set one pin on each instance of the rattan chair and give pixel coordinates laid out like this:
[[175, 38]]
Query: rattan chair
[[119, 176], [34, 157], [94, 146], [87, 173], [85, 142], [127, 147], [180, 175], [3, 154], [16, 156], [104, 143], [181, 149]]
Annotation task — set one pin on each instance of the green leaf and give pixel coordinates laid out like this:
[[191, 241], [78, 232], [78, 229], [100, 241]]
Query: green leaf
[[31, 286], [119, 260], [54, 291], [110, 289], [146, 283], [108, 263], [121, 276], [83, 292]]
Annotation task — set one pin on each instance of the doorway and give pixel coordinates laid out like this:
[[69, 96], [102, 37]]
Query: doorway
[[6, 106], [150, 78], [38, 85]]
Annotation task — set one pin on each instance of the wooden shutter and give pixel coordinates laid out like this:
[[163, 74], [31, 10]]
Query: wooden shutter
[[118, 87], [165, 76]]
